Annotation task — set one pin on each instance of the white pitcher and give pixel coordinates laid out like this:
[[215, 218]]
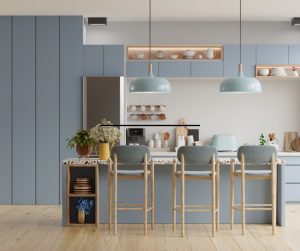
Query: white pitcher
[[210, 53]]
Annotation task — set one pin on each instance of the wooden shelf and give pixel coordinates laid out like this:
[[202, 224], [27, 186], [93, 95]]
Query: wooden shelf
[[82, 195], [141, 53], [288, 69]]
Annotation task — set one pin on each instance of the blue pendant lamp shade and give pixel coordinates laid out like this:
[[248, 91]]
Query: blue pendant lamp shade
[[240, 84], [150, 83]]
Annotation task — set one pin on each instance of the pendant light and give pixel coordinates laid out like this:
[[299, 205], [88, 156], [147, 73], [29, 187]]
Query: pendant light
[[150, 83], [240, 84]]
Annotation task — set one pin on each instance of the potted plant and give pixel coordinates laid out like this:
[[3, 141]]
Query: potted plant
[[82, 141], [262, 140], [104, 134], [84, 207]]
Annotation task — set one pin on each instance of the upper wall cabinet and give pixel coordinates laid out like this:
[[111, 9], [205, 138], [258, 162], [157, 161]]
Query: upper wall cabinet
[[294, 54], [207, 69], [174, 69], [272, 54], [232, 59], [103, 60], [93, 60], [140, 68], [113, 60]]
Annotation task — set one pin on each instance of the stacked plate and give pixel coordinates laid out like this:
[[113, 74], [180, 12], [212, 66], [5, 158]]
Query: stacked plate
[[279, 72], [82, 186]]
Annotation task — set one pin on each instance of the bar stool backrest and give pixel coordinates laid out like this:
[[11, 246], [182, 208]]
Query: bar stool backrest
[[131, 155], [256, 154], [197, 157]]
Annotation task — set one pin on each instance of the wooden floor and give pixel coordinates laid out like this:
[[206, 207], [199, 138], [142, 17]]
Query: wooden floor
[[29, 228]]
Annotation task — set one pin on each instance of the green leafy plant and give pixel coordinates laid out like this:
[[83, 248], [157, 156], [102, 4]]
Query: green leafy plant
[[81, 138], [262, 140], [105, 132]]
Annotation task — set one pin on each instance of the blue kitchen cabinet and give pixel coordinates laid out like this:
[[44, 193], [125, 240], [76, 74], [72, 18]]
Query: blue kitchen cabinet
[[93, 60], [140, 68], [272, 54], [294, 54], [23, 109], [232, 59], [292, 179], [207, 69], [174, 69], [5, 110], [113, 60]]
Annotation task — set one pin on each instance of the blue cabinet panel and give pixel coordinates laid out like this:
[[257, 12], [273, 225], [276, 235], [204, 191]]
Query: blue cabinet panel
[[5, 110], [232, 59], [207, 69], [294, 54], [47, 110], [272, 54], [174, 69], [23, 88], [93, 60], [292, 174], [140, 68], [71, 71], [292, 192], [113, 60]]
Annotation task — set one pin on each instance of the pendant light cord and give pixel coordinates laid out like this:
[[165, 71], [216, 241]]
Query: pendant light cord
[[149, 32], [240, 31]]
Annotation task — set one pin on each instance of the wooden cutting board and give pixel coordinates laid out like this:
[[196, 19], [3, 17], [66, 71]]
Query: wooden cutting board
[[288, 138], [296, 144]]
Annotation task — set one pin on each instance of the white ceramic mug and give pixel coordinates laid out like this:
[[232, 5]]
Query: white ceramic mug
[[152, 108], [142, 108], [132, 108], [165, 143], [162, 108], [151, 143], [157, 143], [190, 140]]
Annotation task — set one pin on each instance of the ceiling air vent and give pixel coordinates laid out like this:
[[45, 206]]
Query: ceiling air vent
[[97, 21]]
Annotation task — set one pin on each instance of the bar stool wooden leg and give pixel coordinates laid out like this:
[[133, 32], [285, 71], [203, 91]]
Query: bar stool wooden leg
[[145, 194], [152, 195], [231, 194], [218, 196], [174, 196], [213, 185], [274, 194], [243, 191], [109, 190], [115, 195], [182, 196]]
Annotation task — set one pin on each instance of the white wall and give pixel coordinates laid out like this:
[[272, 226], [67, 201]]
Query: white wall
[[189, 33], [276, 109]]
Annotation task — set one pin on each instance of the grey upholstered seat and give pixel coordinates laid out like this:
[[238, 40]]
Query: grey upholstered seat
[[197, 159], [130, 158], [257, 155]]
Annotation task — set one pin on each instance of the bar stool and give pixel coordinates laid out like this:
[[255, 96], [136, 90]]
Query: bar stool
[[126, 164], [262, 156], [197, 163]]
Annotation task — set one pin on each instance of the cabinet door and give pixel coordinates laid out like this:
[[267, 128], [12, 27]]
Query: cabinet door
[[140, 68], [5, 110], [207, 69], [174, 69], [23, 109], [113, 60], [294, 54], [272, 54], [232, 59], [292, 174], [292, 192], [93, 60]]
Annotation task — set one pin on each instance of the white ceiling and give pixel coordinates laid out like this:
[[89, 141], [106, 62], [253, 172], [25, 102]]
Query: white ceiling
[[162, 10]]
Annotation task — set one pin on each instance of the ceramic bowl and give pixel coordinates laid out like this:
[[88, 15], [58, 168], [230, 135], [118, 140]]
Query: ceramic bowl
[[174, 56], [189, 54], [140, 55], [263, 72]]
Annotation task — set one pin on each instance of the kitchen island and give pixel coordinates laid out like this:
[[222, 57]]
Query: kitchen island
[[196, 193]]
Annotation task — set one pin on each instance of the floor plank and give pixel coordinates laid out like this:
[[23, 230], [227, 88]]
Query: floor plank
[[39, 228]]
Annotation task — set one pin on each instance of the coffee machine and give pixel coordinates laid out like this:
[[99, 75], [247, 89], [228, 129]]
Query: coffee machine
[[135, 136]]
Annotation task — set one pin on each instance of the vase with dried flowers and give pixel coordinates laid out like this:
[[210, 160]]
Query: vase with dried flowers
[[105, 133]]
